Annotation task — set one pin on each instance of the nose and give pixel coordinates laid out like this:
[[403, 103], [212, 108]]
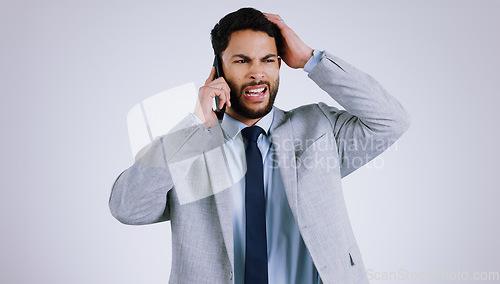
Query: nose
[[256, 71]]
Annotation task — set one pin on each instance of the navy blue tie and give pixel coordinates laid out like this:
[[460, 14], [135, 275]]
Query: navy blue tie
[[255, 210]]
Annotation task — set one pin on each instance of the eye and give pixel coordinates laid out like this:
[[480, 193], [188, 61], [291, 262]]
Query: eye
[[241, 61]]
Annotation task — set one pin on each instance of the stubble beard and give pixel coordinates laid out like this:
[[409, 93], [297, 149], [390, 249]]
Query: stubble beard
[[240, 108]]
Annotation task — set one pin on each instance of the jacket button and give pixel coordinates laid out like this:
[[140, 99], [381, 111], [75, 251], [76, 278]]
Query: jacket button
[[230, 275]]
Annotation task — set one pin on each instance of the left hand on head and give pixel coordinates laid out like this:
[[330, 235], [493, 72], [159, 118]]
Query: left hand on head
[[294, 51]]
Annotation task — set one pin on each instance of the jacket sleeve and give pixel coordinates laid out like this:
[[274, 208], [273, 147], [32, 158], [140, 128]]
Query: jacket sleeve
[[139, 194], [372, 120], [176, 160]]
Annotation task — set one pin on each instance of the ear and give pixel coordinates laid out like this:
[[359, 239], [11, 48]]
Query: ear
[[279, 62]]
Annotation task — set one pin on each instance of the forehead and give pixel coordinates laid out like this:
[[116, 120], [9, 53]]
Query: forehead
[[250, 43]]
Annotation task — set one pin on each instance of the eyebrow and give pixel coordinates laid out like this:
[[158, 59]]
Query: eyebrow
[[244, 57]]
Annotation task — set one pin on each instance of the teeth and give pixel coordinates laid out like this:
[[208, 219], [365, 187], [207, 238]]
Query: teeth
[[256, 90]]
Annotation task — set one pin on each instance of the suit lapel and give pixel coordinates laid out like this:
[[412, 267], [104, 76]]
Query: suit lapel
[[223, 198], [223, 204], [284, 148]]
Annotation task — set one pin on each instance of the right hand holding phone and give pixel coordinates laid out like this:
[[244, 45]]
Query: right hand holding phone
[[213, 87]]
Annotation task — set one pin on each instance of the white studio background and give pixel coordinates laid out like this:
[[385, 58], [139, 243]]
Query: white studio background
[[71, 70]]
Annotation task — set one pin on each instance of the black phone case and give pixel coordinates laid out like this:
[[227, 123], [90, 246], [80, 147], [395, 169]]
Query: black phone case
[[218, 73]]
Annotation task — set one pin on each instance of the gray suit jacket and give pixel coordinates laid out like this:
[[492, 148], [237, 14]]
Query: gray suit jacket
[[180, 178]]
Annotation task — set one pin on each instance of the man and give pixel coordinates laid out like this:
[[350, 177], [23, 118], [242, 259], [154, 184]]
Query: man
[[282, 219]]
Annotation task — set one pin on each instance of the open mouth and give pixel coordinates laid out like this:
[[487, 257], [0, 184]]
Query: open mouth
[[256, 93]]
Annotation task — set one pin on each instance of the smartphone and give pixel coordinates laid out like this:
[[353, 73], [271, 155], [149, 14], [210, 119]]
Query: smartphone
[[218, 73]]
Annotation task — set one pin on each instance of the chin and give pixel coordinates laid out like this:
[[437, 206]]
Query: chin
[[244, 107], [254, 113]]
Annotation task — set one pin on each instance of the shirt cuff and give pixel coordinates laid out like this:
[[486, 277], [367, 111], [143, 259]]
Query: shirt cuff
[[313, 61]]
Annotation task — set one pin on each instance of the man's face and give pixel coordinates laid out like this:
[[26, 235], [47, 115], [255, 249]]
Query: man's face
[[251, 69]]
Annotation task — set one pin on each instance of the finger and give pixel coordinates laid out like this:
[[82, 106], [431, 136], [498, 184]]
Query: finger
[[220, 83], [270, 15], [275, 19], [211, 77], [226, 100], [222, 102], [223, 95]]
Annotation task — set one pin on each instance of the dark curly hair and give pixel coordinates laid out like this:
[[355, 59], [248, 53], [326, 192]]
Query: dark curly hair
[[243, 19]]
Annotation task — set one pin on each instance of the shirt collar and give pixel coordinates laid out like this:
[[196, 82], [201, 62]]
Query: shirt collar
[[232, 126]]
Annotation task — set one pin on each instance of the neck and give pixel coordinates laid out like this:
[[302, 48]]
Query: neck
[[247, 121]]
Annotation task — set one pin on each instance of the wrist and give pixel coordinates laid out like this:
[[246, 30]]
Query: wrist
[[309, 53]]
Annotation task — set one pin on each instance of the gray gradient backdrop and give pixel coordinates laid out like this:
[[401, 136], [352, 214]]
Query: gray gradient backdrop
[[71, 70]]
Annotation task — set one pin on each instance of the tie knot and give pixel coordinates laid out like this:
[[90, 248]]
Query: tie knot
[[252, 133]]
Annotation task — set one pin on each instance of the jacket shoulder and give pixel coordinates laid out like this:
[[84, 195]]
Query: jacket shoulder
[[310, 115]]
